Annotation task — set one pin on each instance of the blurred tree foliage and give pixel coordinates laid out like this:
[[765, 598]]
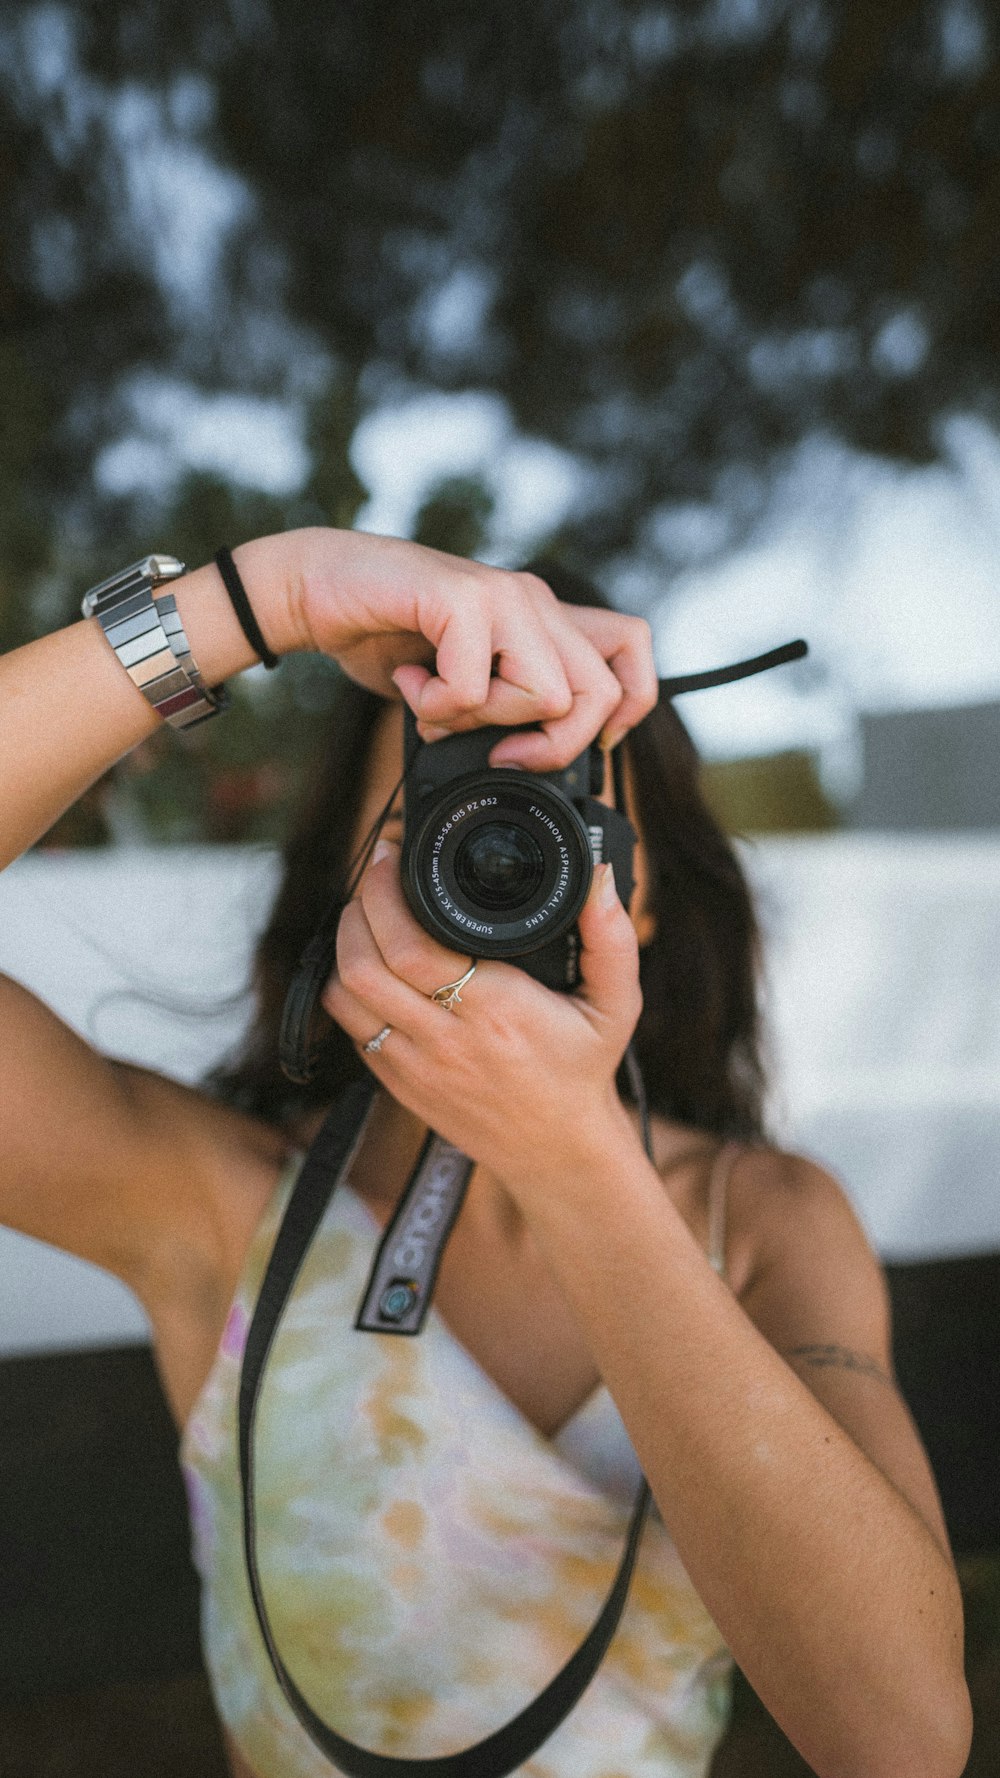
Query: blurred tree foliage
[[673, 238]]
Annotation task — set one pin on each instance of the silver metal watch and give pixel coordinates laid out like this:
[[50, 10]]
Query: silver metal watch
[[146, 633]]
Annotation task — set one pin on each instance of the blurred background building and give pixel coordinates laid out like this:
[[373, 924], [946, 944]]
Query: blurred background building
[[930, 769]]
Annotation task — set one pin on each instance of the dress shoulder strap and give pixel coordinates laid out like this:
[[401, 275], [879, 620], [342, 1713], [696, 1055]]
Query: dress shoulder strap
[[718, 1185]]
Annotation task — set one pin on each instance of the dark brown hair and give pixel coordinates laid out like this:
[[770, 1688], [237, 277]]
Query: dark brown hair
[[698, 1039]]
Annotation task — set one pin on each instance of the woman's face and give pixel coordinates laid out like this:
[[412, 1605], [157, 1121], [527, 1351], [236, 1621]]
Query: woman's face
[[385, 765]]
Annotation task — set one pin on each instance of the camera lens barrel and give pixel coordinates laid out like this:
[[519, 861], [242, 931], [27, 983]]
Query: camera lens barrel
[[498, 864]]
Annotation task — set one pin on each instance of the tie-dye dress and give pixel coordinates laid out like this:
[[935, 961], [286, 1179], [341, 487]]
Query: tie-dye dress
[[429, 1559]]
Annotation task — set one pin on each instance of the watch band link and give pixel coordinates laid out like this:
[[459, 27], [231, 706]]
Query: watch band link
[[144, 628]]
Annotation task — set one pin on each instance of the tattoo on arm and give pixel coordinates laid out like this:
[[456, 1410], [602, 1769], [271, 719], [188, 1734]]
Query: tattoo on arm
[[842, 1358]]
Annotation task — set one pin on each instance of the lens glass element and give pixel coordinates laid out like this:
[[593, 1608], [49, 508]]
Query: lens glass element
[[499, 865]]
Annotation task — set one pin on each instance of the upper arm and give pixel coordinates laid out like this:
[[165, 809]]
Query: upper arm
[[818, 1294], [83, 1152]]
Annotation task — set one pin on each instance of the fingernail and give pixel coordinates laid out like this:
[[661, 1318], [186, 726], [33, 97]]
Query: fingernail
[[607, 894], [383, 849]]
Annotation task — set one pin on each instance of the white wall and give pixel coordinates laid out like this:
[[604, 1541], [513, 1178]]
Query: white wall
[[884, 959], [884, 1001]]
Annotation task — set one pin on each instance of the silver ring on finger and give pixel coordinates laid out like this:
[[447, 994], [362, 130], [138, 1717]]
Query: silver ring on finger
[[450, 995], [374, 1044]]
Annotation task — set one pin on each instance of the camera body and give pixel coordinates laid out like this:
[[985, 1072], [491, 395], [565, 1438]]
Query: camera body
[[497, 861]]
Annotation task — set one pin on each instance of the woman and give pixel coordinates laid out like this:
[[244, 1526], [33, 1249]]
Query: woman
[[439, 1517]]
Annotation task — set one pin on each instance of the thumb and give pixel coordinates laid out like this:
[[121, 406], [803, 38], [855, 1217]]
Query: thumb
[[409, 680], [609, 952]]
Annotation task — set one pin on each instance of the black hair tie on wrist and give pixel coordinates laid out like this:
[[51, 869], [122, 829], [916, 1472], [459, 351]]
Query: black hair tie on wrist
[[243, 608]]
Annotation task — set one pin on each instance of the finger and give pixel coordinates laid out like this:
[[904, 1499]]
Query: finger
[[627, 646], [361, 1023], [463, 647], [523, 657], [363, 973], [412, 955], [596, 695], [529, 659], [506, 706], [609, 955], [409, 681]]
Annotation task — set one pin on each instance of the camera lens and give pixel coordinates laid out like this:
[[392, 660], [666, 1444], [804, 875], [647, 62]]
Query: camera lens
[[499, 865]]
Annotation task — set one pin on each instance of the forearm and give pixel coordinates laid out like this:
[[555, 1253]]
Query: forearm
[[831, 1591], [68, 709]]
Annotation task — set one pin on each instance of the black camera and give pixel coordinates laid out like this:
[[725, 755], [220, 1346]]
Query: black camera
[[497, 861]]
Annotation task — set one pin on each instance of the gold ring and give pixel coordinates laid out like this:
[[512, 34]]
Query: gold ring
[[450, 995]]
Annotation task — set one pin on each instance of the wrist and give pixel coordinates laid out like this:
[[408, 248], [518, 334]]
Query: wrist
[[269, 568], [577, 1159], [599, 1189], [273, 571], [336, 572]]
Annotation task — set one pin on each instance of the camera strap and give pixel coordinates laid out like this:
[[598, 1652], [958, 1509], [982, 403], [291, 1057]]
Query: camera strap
[[509, 1746], [401, 1283]]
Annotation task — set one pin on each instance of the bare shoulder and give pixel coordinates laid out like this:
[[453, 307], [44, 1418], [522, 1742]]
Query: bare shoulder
[[794, 1233], [115, 1163]]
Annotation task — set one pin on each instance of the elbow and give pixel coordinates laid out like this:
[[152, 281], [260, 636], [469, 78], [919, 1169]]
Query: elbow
[[934, 1742], [925, 1733], [944, 1752], [940, 1735]]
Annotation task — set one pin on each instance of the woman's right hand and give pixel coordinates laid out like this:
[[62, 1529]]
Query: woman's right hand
[[466, 644]]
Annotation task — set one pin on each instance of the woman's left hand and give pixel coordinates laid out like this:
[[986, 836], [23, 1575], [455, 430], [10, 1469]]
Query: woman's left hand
[[517, 1076]]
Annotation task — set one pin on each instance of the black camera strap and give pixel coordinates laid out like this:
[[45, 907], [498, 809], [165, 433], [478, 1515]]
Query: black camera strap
[[509, 1746]]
